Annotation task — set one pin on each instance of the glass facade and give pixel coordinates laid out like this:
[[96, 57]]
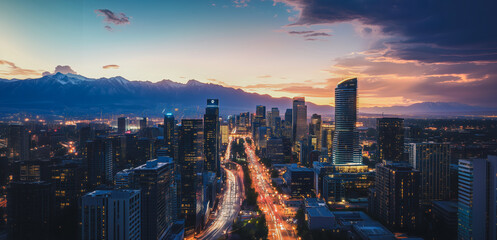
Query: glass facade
[[346, 148]]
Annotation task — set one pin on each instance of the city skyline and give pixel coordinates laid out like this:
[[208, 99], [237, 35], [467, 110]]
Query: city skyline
[[248, 119], [282, 48]]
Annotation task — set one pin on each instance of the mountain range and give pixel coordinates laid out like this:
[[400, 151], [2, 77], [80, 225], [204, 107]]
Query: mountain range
[[72, 95]]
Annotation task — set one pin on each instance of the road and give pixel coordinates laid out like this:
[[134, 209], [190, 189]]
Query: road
[[269, 200], [230, 203]]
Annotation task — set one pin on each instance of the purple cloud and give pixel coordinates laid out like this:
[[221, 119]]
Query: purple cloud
[[112, 18], [62, 69]]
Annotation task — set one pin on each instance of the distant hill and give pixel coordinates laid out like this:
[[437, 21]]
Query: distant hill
[[70, 94]]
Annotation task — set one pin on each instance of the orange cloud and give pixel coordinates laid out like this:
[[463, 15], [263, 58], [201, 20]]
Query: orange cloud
[[9, 70], [111, 66]]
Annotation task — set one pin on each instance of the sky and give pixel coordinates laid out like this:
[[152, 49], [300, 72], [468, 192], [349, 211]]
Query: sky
[[402, 52]]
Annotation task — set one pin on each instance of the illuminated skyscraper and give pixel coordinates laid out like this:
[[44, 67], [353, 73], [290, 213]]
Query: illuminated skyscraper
[[155, 179], [191, 161], [299, 119], [99, 161], [315, 131], [433, 161], [328, 131], [212, 137], [260, 112], [259, 120], [477, 203], [143, 123], [397, 195], [122, 125], [169, 125], [390, 139], [111, 214], [346, 148], [18, 143]]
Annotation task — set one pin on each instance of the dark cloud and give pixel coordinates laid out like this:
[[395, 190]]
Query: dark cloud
[[62, 69], [426, 30], [300, 32], [309, 35], [318, 34], [112, 18], [367, 30], [473, 83]]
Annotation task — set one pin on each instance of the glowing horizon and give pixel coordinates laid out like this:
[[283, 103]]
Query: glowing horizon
[[282, 48]]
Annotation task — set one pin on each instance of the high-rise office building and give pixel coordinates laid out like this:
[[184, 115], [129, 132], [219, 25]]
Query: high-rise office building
[[260, 111], [225, 133], [390, 139], [191, 160], [212, 137], [288, 116], [259, 120], [299, 119], [18, 143], [477, 199], [85, 134], [327, 133], [433, 161], [31, 171], [122, 125], [275, 150], [347, 182], [69, 181], [30, 210], [315, 131], [143, 123], [99, 161], [346, 148], [397, 195], [111, 214], [169, 125], [272, 116], [300, 181], [155, 179]]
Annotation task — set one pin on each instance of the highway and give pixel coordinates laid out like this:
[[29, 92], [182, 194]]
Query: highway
[[230, 203], [269, 200]]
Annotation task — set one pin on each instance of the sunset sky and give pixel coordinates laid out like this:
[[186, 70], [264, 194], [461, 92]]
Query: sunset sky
[[402, 52]]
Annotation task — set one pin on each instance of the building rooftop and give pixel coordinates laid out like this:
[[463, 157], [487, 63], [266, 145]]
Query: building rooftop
[[347, 83], [372, 231], [299, 169], [319, 212], [351, 216], [314, 202], [100, 193], [155, 164]]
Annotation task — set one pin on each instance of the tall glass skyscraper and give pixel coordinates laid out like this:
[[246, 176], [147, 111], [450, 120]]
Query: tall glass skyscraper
[[299, 119], [211, 137], [390, 139], [346, 148], [191, 161], [477, 208], [169, 125]]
